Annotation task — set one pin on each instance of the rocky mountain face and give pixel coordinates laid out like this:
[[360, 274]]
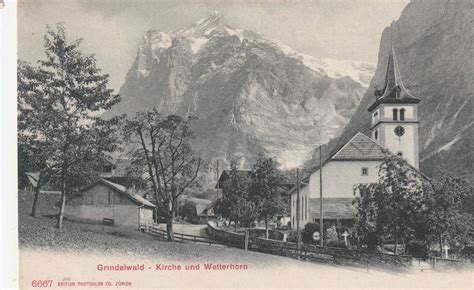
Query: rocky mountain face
[[434, 43], [251, 94]]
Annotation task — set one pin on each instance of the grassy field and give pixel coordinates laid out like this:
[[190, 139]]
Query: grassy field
[[40, 233]]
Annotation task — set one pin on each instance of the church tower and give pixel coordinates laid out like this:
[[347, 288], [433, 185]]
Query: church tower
[[395, 116]]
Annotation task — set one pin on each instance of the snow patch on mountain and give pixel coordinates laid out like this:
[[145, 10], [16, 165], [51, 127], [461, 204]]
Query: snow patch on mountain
[[448, 145], [361, 72], [197, 43], [290, 159], [160, 40]]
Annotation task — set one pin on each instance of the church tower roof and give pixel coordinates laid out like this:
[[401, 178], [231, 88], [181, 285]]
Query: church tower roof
[[394, 91]]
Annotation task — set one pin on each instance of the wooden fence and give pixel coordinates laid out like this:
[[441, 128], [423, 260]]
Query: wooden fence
[[307, 252], [436, 262], [178, 237], [287, 249]]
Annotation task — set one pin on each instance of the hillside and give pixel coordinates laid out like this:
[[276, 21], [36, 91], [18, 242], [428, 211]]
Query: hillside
[[251, 94], [40, 234], [434, 45]]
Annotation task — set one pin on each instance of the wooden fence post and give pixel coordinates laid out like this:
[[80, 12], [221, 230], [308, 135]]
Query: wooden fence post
[[246, 239]]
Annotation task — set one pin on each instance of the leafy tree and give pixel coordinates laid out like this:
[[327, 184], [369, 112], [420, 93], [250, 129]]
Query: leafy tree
[[444, 219], [390, 208], [60, 101], [366, 217], [235, 203], [189, 211], [266, 189], [165, 155]]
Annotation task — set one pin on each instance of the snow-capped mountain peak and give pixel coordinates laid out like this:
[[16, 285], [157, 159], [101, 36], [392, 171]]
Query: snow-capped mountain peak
[[199, 34], [205, 26]]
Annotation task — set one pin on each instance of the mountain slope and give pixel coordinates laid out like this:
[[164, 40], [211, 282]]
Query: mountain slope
[[251, 95], [434, 42]]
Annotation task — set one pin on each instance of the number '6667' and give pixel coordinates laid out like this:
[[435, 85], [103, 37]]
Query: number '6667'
[[41, 283]]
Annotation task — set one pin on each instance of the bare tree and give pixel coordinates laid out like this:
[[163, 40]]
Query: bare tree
[[165, 154]]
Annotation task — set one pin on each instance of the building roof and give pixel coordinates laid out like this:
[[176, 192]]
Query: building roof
[[203, 210], [394, 91], [196, 200], [333, 208], [121, 189], [225, 175], [33, 178], [359, 148], [121, 166]]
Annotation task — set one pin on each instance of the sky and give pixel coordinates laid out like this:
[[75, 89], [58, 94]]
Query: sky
[[112, 29]]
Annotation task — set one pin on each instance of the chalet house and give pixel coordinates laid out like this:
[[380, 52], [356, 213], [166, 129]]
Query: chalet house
[[33, 178], [205, 213], [108, 202], [394, 129], [116, 170]]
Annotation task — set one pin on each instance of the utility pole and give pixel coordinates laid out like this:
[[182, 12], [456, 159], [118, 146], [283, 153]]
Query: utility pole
[[298, 234], [321, 227], [217, 176]]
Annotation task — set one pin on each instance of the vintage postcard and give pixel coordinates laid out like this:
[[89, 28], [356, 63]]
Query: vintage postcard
[[243, 144]]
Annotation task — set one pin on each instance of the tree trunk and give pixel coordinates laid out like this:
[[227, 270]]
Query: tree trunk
[[63, 204], [266, 229], [169, 226], [35, 201]]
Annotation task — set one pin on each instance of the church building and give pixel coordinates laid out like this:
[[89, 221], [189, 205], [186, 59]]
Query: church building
[[394, 128]]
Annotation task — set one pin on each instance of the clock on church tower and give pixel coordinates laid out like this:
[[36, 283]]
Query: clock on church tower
[[395, 116]]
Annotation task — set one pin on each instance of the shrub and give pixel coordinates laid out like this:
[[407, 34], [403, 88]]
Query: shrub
[[331, 234], [292, 237], [418, 249], [307, 233]]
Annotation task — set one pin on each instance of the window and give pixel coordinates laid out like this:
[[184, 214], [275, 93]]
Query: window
[[395, 114], [306, 209], [301, 209], [365, 171], [375, 116], [305, 205], [107, 169], [402, 114], [376, 134]]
